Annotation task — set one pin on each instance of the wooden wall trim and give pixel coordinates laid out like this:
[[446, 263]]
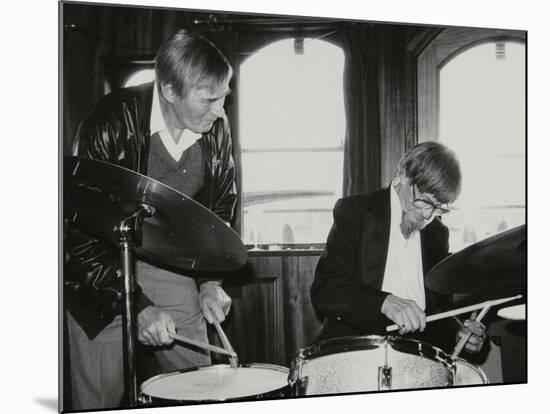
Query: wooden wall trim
[[272, 316]]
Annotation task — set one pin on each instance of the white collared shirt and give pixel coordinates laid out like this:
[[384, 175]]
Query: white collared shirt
[[403, 276], [157, 124]]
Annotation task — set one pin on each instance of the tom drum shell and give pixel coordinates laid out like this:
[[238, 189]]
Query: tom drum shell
[[369, 363]]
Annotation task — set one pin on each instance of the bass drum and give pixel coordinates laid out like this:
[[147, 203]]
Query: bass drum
[[369, 363], [468, 374], [216, 383]]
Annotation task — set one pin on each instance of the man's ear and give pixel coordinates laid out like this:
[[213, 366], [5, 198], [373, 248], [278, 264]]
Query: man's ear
[[168, 92]]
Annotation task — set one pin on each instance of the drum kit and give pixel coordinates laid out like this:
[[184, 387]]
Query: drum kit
[[147, 218]]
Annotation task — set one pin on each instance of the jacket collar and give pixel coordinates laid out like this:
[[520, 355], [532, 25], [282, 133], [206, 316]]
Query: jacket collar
[[156, 121], [144, 98]]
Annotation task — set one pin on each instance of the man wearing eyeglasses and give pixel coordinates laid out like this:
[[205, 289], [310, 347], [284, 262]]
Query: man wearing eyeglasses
[[381, 245]]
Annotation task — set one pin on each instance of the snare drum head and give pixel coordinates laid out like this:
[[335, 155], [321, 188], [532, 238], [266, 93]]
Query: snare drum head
[[216, 383], [354, 367]]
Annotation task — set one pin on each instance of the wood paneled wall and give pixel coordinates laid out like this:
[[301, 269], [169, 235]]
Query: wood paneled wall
[[272, 316]]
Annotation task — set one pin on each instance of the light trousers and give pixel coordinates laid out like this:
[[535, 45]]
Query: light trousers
[[97, 376]]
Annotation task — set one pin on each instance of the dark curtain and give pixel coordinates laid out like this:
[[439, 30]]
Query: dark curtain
[[361, 100], [379, 99]]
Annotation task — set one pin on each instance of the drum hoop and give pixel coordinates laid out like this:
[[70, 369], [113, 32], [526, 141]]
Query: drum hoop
[[272, 367], [473, 367], [166, 375], [359, 343]]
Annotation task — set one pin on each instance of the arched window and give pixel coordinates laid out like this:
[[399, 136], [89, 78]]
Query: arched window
[[471, 97], [482, 118], [139, 77], [292, 129]]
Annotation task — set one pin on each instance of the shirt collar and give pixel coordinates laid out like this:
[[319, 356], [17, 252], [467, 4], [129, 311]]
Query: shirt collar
[[395, 203], [157, 123]]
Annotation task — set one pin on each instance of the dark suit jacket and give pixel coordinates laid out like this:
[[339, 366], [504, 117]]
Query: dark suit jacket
[[346, 291]]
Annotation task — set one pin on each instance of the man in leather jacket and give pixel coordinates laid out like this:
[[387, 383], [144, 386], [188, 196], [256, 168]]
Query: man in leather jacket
[[175, 131]]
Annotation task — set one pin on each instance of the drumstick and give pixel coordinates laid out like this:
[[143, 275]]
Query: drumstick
[[458, 311], [233, 361], [462, 343], [209, 347]]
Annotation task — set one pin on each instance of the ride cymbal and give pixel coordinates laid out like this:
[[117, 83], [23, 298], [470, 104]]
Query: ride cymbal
[[496, 263], [179, 232]]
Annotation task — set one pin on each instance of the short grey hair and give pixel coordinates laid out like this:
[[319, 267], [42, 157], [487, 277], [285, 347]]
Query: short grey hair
[[434, 169], [187, 60]]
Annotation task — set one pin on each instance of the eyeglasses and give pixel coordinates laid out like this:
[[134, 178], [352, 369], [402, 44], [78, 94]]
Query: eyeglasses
[[427, 205]]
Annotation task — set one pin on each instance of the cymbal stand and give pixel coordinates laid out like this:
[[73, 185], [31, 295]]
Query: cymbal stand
[[129, 236]]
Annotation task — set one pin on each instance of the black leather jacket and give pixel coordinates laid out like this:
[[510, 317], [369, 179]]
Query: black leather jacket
[[117, 130]]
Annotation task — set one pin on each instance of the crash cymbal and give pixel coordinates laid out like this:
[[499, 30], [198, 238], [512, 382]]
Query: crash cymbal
[[180, 233], [516, 313], [498, 262]]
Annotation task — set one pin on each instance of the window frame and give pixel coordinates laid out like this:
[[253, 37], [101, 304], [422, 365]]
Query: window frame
[[118, 69], [429, 53], [274, 246], [438, 48]]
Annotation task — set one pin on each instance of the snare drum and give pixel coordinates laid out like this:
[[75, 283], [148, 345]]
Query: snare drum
[[369, 363], [216, 383], [468, 374]]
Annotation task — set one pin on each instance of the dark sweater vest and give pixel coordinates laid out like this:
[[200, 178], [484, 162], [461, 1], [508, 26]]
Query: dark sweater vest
[[185, 175]]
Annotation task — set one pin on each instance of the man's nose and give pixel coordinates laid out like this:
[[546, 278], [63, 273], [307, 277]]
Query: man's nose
[[217, 108]]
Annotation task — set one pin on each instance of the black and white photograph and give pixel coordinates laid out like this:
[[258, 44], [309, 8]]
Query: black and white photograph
[[288, 209], [267, 206]]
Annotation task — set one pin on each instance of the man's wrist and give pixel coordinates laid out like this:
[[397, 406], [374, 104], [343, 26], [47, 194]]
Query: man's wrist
[[210, 283]]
